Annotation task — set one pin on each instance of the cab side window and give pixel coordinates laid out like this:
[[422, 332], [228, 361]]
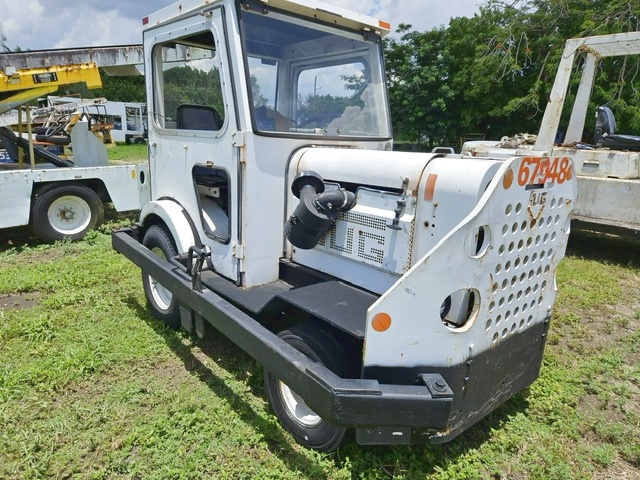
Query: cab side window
[[188, 86]]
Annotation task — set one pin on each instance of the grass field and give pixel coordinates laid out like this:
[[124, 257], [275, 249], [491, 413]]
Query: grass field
[[91, 386]]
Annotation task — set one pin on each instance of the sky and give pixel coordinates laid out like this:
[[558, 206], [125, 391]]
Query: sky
[[49, 24]]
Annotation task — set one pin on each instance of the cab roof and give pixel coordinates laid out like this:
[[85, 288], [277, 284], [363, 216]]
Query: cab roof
[[307, 8]]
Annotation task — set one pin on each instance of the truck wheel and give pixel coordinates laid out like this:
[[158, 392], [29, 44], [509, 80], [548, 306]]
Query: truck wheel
[[66, 212], [163, 305], [308, 429]]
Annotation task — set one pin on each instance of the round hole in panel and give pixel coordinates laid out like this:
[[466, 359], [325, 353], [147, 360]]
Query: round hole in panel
[[488, 325], [501, 250], [504, 333], [514, 228], [498, 268], [507, 211], [460, 308], [518, 208], [507, 266], [498, 319], [495, 338], [521, 324], [478, 241], [530, 319], [513, 328], [553, 202]]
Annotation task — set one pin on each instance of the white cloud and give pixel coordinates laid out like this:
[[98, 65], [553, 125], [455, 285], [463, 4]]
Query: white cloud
[[46, 24], [422, 15]]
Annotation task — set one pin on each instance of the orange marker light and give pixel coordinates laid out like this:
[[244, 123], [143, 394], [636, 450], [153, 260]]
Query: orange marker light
[[385, 25], [507, 180], [381, 322], [430, 187]]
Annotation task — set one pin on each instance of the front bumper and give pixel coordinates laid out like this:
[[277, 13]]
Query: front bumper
[[354, 403]]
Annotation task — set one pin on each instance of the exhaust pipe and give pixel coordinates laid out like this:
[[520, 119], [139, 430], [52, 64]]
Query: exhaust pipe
[[316, 211]]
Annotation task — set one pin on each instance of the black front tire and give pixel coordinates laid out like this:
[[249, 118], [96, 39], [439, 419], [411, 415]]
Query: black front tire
[[66, 212], [162, 303], [307, 428]]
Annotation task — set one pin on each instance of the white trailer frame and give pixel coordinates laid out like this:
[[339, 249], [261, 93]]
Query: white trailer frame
[[608, 180]]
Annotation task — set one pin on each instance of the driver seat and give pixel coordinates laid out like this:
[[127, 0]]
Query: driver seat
[[606, 136]]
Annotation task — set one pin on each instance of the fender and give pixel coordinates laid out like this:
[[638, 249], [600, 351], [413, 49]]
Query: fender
[[177, 220]]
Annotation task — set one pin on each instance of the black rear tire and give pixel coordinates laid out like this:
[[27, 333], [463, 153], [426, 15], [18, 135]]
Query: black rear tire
[[307, 428], [162, 303], [66, 212]]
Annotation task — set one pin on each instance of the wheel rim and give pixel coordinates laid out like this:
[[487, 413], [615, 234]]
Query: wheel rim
[[297, 408], [69, 215], [161, 295]]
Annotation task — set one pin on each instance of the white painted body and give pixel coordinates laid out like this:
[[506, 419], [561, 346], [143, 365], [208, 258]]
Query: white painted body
[[413, 268], [125, 185], [17, 187]]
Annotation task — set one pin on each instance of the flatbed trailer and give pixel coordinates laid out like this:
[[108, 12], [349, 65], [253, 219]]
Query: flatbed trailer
[[58, 196]]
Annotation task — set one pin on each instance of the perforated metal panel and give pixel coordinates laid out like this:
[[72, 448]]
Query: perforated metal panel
[[495, 272], [526, 249]]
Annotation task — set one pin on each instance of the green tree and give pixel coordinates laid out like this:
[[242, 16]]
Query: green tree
[[419, 87], [492, 73]]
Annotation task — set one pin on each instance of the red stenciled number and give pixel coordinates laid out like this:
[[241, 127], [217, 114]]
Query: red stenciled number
[[523, 173], [544, 170]]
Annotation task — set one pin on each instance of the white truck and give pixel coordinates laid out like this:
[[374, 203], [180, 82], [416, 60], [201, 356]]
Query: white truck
[[60, 196], [403, 295], [127, 120], [608, 165]]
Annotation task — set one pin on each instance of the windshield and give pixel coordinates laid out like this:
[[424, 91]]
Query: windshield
[[313, 79]]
